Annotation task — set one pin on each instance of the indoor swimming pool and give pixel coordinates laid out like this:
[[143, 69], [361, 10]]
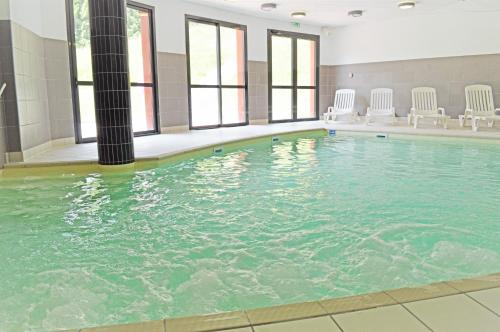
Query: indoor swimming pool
[[298, 218]]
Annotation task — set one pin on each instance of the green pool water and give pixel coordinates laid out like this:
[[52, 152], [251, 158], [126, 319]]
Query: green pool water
[[260, 225]]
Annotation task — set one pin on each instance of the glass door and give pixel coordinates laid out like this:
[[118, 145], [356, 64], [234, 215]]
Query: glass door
[[217, 75], [293, 76], [141, 67], [142, 62]]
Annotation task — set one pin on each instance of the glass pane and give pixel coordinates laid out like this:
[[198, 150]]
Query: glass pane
[[282, 60], [306, 103], [139, 46], [204, 107], [203, 53], [87, 111], [232, 46], [233, 106], [82, 40], [306, 62], [141, 99], [282, 104]]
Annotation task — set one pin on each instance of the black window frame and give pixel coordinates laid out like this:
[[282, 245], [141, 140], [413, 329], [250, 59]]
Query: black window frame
[[219, 86], [75, 83], [294, 87]]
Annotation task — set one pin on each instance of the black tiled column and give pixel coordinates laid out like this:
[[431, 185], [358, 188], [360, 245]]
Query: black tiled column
[[108, 40]]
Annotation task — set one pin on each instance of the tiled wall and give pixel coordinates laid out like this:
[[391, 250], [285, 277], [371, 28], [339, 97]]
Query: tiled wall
[[10, 118], [36, 105], [3, 138], [31, 88], [257, 92], [59, 88], [326, 88], [448, 75], [172, 90]]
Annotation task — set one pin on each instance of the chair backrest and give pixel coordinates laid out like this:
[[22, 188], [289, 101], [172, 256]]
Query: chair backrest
[[344, 99], [381, 100], [479, 99], [424, 100]]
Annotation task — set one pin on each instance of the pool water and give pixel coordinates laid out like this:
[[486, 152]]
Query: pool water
[[264, 224]]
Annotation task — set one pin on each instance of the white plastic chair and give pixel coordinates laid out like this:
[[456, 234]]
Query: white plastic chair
[[381, 105], [343, 105], [479, 106], [424, 105]]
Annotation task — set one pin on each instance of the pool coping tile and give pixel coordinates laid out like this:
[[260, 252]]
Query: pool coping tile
[[221, 321], [411, 294], [151, 326], [356, 303], [476, 283], [285, 313]]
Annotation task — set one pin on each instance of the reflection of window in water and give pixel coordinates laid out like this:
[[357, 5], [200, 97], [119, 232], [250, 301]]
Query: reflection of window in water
[[219, 173], [296, 156]]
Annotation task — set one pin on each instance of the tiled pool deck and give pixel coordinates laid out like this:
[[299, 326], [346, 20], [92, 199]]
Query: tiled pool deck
[[467, 305], [157, 147]]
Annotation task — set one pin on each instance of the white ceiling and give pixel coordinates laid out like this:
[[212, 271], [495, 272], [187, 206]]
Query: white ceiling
[[333, 13]]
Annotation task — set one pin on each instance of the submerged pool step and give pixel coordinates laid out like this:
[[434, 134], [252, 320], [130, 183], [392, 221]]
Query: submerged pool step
[[382, 135]]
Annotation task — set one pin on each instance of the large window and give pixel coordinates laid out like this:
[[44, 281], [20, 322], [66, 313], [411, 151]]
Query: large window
[[142, 64], [293, 61], [217, 74]]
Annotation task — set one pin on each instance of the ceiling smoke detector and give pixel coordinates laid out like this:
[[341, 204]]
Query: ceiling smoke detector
[[267, 7], [355, 13], [406, 4], [298, 14]]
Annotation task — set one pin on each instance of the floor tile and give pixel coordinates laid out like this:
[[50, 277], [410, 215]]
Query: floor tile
[[456, 313], [409, 294], [228, 320], [474, 284], [392, 318], [154, 326], [489, 298], [318, 324], [361, 302], [286, 312]]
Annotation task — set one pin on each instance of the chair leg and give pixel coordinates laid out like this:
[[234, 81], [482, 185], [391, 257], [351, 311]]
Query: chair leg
[[475, 124], [461, 120], [491, 124], [409, 119], [415, 122], [445, 123]]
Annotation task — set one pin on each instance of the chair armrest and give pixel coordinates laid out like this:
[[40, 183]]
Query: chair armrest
[[441, 109], [368, 110], [329, 109]]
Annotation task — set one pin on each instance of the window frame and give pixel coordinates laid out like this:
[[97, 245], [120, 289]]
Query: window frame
[[294, 87], [219, 86], [75, 83]]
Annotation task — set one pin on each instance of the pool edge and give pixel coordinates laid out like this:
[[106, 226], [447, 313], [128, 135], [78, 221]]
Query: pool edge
[[308, 310]]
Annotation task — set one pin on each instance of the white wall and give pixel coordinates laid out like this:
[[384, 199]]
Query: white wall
[[415, 37], [4, 10], [27, 13], [170, 24]]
